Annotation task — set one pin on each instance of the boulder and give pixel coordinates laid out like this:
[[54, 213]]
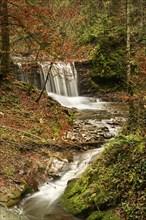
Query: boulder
[[6, 214]]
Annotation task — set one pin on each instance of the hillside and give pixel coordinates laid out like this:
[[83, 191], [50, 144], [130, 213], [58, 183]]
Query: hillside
[[30, 139]]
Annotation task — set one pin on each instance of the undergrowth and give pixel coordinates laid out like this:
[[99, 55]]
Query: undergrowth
[[113, 187], [28, 133]]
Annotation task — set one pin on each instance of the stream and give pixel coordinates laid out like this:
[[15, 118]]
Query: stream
[[43, 204], [91, 125], [96, 122]]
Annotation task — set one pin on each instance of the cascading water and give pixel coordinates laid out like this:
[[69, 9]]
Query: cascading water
[[62, 86], [43, 204], [62, 83], [62, 79]]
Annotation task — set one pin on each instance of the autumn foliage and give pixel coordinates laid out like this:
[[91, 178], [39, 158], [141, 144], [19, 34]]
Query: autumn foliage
[[45, 30]]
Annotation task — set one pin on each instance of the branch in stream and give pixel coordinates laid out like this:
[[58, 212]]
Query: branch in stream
[[88, 145], [37, 100]]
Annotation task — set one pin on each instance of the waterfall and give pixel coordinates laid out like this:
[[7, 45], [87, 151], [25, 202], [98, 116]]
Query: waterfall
[[62, 79], [62, 83]]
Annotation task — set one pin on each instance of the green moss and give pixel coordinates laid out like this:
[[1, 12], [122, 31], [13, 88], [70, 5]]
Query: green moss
[[11, 98], [108, 215], [72, 200], [95, 216], [117, 176]]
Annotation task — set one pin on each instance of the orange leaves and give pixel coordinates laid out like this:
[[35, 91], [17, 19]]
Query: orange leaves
[[52, 28]]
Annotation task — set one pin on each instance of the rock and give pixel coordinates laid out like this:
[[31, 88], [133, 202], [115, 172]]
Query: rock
[[69, 135], [58, 166], [41, 121], [2, 114], [11, 198], [83, 135], [106, 129], [107, 135], [6, 214], [93, 140]]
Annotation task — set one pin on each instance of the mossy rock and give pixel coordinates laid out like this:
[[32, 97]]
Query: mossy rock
[[96, 215], [11, 198], [110, 217], [121, 166], [13, 195], [71, 200]]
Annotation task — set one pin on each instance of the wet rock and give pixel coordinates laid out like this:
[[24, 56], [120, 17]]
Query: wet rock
[[58, 166], [91, 130], [116, 121], [105, 129], [108, 135], [6, 214]]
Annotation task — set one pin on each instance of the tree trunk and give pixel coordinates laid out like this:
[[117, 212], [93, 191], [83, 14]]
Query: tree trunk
[[128, 46], [5, 41], [142, 12]]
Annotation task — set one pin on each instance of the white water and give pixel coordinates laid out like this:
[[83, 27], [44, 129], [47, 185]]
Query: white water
[[41, 204], [77, 102], [62, 86], [62, 78]]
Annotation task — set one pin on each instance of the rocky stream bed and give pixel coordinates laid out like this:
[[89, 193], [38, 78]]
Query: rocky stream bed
[[91, 129]]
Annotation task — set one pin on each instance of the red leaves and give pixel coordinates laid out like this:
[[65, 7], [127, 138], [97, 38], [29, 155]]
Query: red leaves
[[49, 28]]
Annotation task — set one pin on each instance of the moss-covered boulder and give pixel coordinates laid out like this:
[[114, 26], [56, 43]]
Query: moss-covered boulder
[[114, 181], [98, 215]]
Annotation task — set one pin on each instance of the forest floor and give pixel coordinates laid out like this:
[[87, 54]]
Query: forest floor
[[31, 137]]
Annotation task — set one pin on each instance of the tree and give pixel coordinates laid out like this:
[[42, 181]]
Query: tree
[[5, 40], [128, 45], [44, 28]]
